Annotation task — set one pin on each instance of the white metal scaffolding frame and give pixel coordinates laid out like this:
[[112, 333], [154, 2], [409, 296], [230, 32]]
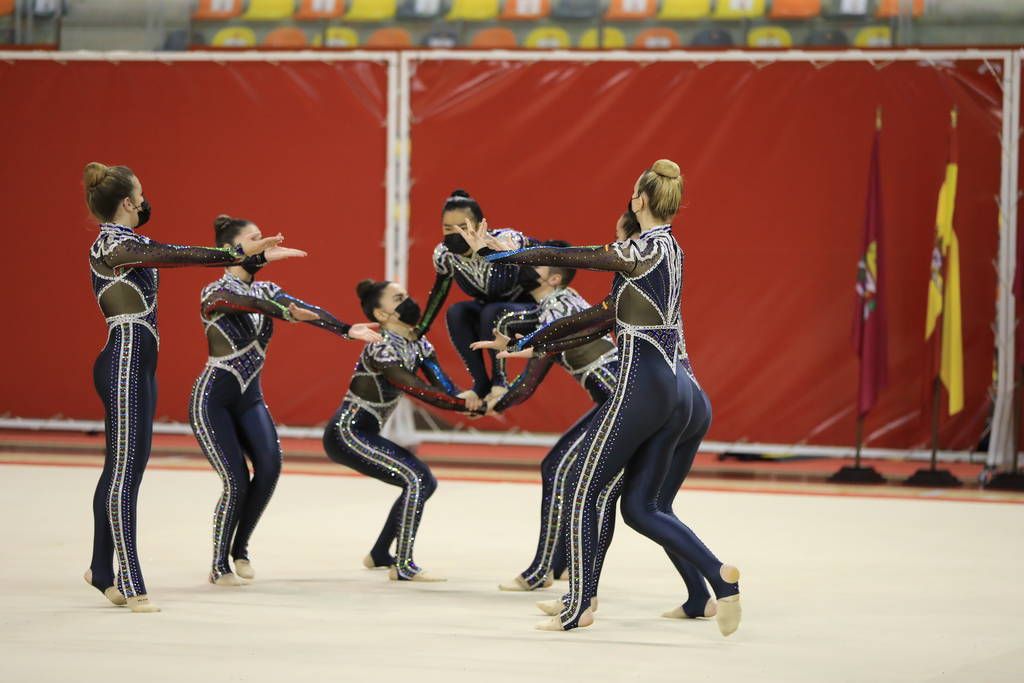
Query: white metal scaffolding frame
[[398, 184]]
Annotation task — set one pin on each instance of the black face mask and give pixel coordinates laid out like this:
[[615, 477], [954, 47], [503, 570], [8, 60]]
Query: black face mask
[[529, 278], [456, 243], [253, 268], [408, 311], [144, 212]]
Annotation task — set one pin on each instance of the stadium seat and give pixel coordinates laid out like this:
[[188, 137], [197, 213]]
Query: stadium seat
[[371, 10], [631, 10], [769, 36], [659, 38], [893, 8], [473, 10], [6, 7], [217, 10], [873, 36], [440, 39], [795, 9], [712, 37], [612, 39], [547, 38], [576, 9], [739, 9], [234, 36], [525, 10], [827, 38], [684, 10], [846, 8], [337, 36], [389, 37], [287, 38], [176, 40], [319, 10], [495, 38], [420, 9], [269, 10]]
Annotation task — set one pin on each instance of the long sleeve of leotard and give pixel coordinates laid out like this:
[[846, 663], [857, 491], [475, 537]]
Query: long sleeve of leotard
[[572, 331], [512, 323], [435, 300], [226, 301], [137, 253], [526, 383], [437, 376], [409, 383], [624, 257], [326, 321]]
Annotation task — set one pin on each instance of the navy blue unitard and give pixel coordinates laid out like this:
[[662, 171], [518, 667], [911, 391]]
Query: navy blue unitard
[[595, 366], [640, 426], [385, 370], [125, 281], [227, 411], [494, 289]]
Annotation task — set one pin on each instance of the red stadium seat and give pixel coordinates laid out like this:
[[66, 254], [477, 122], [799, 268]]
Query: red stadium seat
[[495, 38], [659, 38], [217, 10], [389, 37], [320, 10], [286, 37]]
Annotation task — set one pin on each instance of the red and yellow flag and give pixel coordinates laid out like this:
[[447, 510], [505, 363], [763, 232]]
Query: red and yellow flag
[[944, 287]]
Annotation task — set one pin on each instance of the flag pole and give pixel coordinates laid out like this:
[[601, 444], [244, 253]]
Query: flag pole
[[933, 477], [858, 474]]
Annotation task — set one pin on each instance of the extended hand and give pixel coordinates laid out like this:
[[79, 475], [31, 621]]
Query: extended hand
[[252, 245], [281, 253], [499, 343], [366, 332], [525, 353], [473, 402]]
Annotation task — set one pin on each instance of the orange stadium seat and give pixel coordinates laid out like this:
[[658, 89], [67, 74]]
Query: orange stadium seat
[[217, 10], [892, 8], [495, 38], [659, 38], [389, 37], [795, 9], [631, 10], [525, 10], [286, 37], [320, 10]]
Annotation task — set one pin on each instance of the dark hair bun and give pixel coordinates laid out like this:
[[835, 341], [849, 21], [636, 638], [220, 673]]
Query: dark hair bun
[[461, 193], [222, 222], [364, 288]]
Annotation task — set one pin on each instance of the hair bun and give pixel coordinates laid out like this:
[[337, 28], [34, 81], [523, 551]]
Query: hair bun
[[94, 174], [363, 288], [460, 193], [222, 221], [666, 168]]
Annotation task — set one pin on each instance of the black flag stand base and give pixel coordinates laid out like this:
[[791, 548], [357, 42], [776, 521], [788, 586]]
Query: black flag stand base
[[1007, 481], [933, 478], [851, 474]]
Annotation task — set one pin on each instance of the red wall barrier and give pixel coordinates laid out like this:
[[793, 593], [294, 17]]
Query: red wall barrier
[[295, 147], [776, 163]]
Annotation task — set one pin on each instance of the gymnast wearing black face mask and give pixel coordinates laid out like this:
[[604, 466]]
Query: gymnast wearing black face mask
[[385, 370], [227, 411], [494, 290]]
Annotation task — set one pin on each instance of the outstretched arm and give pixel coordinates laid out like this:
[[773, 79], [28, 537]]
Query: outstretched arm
[[408, 382], [226, 301], [617, 256], [435, 300], [526, 383], [572, 331], [324, 319]]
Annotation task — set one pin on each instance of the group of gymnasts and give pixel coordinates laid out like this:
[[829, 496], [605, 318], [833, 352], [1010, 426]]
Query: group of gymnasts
[[637, 442]]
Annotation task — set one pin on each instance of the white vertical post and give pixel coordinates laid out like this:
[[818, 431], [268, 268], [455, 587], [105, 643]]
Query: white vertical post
[[1000, 451], [405, 69], [392, 200]]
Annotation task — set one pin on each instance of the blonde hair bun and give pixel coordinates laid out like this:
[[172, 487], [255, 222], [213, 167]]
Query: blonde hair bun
[[666, 168], [94, 174]]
